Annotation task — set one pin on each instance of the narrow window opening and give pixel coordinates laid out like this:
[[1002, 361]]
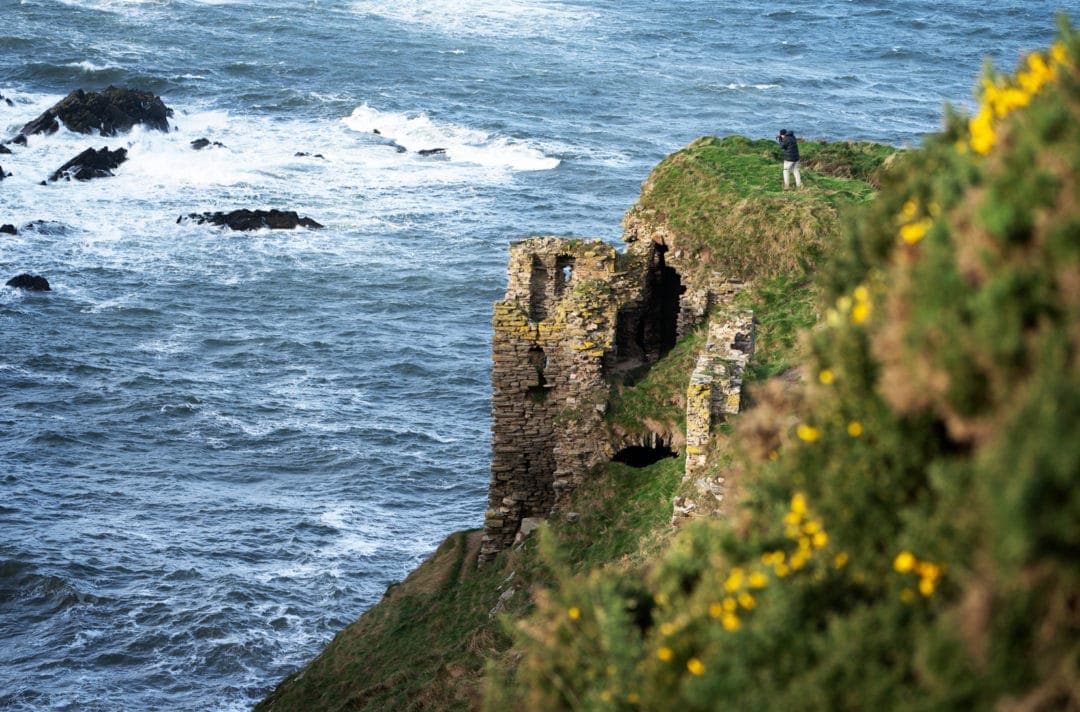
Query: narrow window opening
[[538, 391], [538, 278], [660, 323], [564, 272]]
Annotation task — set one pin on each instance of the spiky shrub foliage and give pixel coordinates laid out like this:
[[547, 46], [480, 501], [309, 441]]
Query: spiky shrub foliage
[[913, 539]]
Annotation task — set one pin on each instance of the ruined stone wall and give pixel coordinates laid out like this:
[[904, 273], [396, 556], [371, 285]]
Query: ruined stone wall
[[715, 389]]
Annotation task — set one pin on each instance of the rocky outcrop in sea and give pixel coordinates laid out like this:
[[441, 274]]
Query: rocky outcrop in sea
[[91, 163], [109, 112], [246, 220]]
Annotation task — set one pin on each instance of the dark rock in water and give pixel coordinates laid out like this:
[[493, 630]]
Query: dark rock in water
[[19, 140], [432, 151], [47, 227], [7, 101], [2, 174], [30, 282], [4, 148], [303, 154], [91, 163], [201, 143], [110, 111], [398, 147], [8, 229], [376, 132], [253, 219]]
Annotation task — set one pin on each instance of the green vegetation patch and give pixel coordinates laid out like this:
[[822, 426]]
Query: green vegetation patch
[[657, 402]]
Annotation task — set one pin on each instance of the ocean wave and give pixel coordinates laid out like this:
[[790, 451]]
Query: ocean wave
[[115, 6], [90, 67], [418, 132]]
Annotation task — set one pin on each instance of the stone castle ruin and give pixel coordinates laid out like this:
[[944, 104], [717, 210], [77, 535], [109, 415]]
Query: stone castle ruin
[[576, 314]]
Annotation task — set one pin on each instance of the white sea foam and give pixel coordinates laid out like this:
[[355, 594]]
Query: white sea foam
[[117, 6], [359, 183], [417, 132], [760, 87], [509, 18], [334, 517]]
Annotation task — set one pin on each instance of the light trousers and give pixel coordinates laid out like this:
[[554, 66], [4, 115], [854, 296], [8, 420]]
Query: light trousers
[[789, 167]]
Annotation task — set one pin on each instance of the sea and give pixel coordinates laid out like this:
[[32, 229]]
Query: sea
[[217, 449]]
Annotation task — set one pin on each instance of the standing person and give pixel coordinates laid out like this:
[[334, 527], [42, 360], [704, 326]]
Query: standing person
[[791, 157]]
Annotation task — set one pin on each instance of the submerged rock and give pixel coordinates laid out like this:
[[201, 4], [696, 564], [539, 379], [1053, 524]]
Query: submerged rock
[[2, 174], [91, 163], [29, 282], [253, 219], [7, 101], [110, 111], [19, 140], [8, 229], [201, 143], [47, 227], [432, 151], [4, 148]]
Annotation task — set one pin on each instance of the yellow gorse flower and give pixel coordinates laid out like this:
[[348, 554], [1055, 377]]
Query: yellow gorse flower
[[695, 666], [916, 231], [928, 572], [904, 562], [1003, 97]]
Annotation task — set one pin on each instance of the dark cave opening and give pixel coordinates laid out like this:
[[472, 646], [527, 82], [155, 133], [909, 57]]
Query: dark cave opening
[[643, 455]]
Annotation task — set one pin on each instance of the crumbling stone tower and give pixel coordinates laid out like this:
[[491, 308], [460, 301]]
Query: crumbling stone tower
[[552, 332]]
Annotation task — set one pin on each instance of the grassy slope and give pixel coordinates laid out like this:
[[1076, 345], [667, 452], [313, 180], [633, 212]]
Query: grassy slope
[[426, 644]]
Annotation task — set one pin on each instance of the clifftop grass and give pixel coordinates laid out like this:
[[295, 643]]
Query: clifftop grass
[[722, 201]]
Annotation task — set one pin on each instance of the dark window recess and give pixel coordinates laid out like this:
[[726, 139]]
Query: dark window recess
[[538, 360], [643, 456]]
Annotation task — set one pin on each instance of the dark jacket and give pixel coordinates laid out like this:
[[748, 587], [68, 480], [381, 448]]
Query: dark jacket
[[791, 147]]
